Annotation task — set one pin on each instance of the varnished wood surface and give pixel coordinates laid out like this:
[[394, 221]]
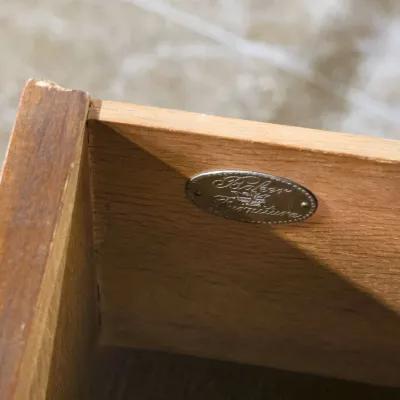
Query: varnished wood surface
[[77, 315], [212, 127], [37, 197], [321, 297], [123, 374]]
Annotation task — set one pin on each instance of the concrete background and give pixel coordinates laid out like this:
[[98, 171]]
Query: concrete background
[[330, 64]]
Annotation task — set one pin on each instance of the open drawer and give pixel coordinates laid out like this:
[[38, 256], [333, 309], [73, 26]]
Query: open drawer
[[102, 252]]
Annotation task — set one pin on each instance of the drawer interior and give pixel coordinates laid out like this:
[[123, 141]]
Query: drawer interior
[[119, 287]]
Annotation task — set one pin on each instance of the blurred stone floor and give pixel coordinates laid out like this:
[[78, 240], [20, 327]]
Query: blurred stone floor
[[330, 64]]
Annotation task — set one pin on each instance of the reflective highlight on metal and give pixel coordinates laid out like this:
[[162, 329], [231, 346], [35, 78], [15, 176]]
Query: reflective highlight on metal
[[251, 197]]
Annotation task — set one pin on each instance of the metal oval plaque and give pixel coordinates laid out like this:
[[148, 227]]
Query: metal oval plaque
[[251, 197]]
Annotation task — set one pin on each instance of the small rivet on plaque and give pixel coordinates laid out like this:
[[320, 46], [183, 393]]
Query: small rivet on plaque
[[251, 197]]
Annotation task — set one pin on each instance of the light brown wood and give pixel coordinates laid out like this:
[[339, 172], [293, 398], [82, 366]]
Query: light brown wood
[[317, 297], [42, 271], [321, 297], [75, 337], [204, 126]]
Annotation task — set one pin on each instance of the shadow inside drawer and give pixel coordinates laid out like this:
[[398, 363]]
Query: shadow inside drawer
[[123, 374]]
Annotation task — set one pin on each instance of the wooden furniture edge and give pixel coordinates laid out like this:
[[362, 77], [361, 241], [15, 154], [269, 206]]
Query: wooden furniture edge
[[38, 186], [29, 365], [117, 114]]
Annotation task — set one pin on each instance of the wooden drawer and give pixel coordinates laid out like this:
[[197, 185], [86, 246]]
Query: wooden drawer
[[100, 248]]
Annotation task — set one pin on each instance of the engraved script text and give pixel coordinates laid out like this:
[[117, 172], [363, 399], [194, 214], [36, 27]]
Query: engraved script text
[[250, 195]]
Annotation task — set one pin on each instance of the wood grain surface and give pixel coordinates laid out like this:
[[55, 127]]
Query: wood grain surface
[[77, 316], [37, 201], [161, 119], [320, 297]]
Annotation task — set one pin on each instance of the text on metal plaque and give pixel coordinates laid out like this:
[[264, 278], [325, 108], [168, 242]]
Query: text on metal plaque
[[251, 196]]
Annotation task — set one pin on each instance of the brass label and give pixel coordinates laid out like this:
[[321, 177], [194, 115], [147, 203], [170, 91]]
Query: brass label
[[251, 197]]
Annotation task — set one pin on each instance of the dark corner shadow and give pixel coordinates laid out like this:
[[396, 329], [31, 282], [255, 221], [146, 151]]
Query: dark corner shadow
[[138, 374], [296, 309]]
